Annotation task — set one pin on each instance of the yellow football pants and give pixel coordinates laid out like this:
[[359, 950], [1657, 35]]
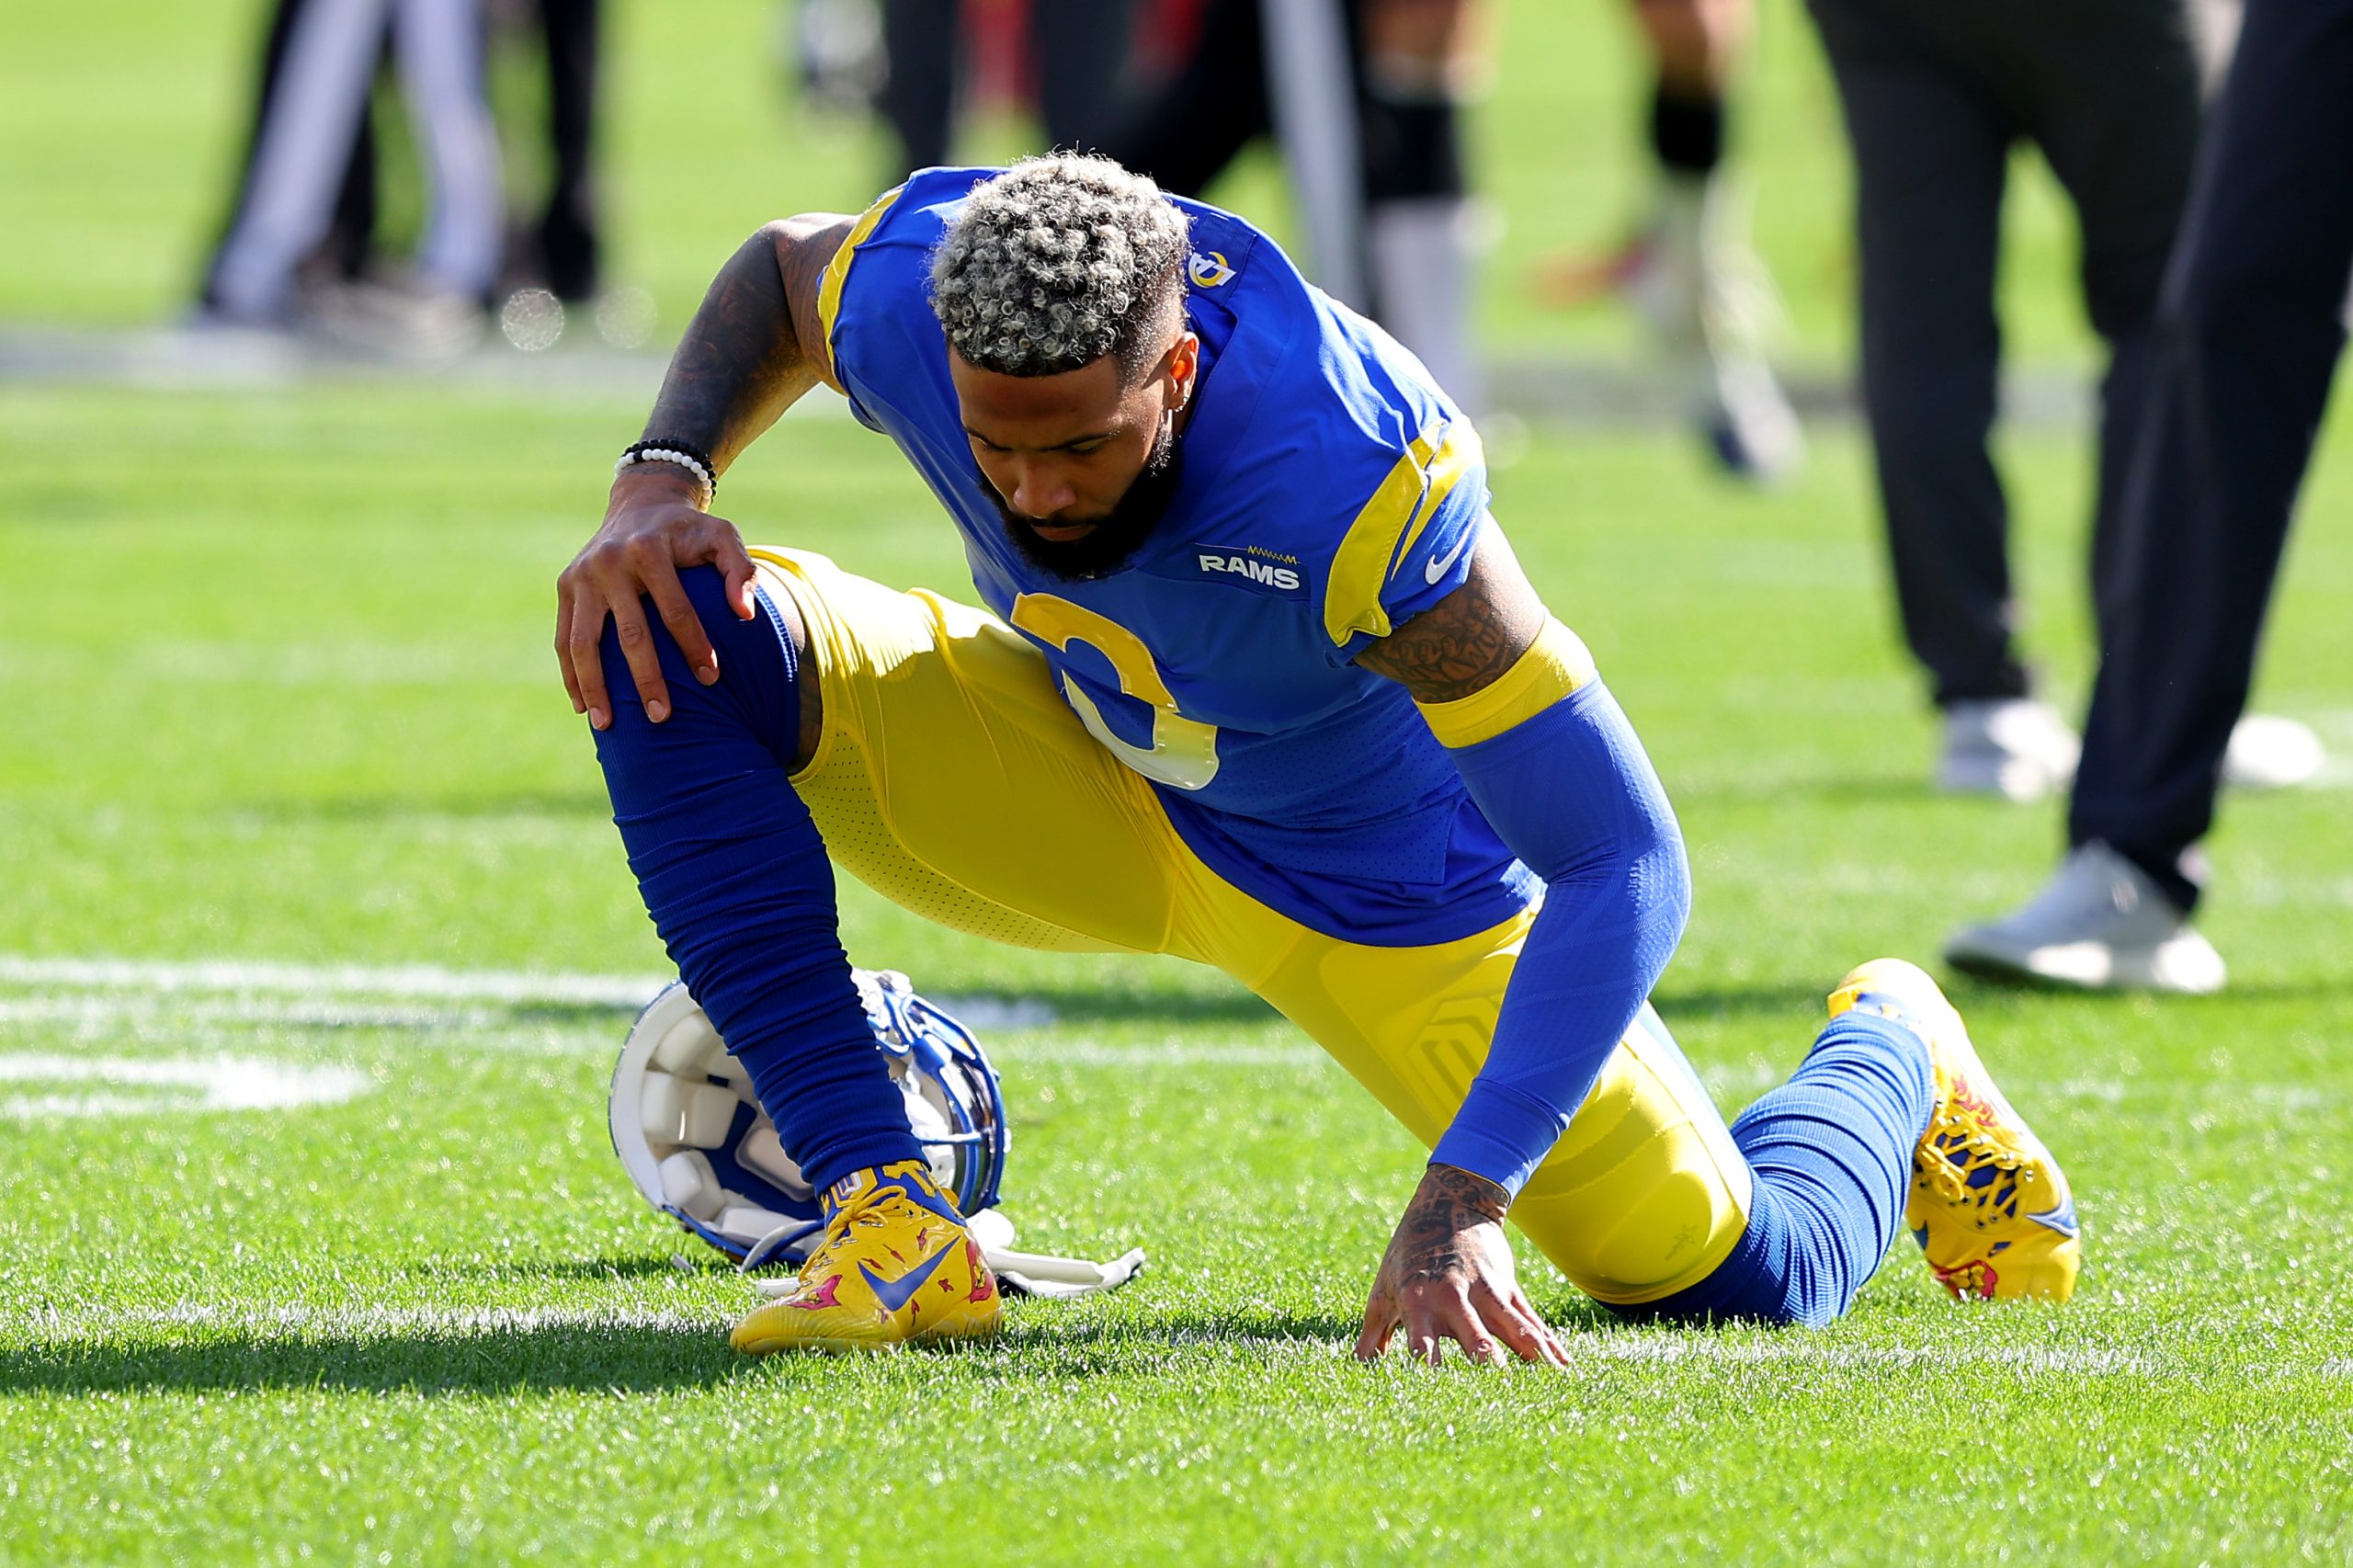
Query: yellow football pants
[[952, 779]]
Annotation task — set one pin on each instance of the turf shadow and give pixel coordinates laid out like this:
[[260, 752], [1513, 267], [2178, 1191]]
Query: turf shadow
[[626, 1357], [583, 1269], [1100, 1345], [1785, 998], [1967, 989]]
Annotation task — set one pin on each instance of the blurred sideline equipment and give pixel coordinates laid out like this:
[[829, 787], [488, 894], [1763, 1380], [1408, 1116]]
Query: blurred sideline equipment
[[1936, 98], [2246, 342], [691, 1134], [1688, 269]]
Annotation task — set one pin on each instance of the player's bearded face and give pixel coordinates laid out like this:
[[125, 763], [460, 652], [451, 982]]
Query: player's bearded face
[[1081, 464], [1109, 540]]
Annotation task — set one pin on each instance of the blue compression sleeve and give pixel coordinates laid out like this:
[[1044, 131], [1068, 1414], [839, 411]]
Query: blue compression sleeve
[[735, 878], [1571, 792]]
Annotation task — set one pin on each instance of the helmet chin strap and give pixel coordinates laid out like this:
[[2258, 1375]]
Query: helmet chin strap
[[1021, 1273]]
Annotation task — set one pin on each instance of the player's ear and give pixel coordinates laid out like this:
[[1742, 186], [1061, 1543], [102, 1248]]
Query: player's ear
[[1184, 364]]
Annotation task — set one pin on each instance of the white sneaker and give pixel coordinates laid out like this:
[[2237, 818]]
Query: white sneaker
[[2099, 923], [2015, 747], [1750, 426], [2267, 752], [1712, 305]]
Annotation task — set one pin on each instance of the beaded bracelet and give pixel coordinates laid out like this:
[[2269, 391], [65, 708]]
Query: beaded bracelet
[[693, 459]]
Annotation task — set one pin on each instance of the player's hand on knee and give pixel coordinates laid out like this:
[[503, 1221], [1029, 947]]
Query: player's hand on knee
[[1449, 1275], [652, 529]]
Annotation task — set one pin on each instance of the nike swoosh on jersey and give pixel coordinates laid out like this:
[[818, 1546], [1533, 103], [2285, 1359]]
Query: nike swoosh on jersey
[[896, 1293], [1439, 567]]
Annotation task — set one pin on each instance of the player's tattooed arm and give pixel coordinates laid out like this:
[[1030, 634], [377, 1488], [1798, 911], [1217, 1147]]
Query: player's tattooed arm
[[1448, 1275], [755, 346], [1465, 642], [756, 343]]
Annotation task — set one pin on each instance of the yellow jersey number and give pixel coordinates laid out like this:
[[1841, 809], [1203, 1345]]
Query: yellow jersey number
[[1183, 753]]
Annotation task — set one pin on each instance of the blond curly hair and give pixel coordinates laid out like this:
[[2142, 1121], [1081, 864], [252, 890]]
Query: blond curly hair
[[1058, 261]]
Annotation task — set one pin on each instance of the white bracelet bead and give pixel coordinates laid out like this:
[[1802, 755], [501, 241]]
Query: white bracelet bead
[[703, 478]]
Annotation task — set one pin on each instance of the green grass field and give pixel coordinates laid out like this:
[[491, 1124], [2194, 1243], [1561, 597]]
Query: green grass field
[[315, 942]]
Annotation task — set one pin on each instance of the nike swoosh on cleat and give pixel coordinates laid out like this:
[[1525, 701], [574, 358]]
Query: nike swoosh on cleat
[[896, 1293], [1438, 568], [2062, 1219]]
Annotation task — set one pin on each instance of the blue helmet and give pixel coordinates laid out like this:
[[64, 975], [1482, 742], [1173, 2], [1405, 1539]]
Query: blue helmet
[[695, 1143]]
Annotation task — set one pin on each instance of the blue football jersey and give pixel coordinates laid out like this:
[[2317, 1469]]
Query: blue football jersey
[[1327, 492]]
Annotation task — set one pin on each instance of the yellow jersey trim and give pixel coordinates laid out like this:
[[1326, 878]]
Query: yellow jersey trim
[[1401, 506], [829, 291], [1459, 455], [1556, 665]]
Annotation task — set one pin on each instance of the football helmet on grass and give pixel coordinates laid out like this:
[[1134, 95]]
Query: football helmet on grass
[[696, 1145]]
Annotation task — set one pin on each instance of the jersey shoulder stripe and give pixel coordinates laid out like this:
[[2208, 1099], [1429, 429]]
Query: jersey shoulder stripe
[[836, 278], [1375, 547]]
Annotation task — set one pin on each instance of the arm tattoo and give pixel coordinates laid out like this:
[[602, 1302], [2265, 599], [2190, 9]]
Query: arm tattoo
[[1463, 642], [745, 357], [1450, 1202]]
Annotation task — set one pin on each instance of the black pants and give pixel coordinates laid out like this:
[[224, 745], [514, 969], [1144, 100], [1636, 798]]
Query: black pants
[[567, 233], [2246, 346], [1936, 94], [1080, 47]]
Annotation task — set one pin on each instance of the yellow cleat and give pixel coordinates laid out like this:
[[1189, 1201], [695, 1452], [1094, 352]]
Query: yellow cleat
[[897, 1266], [1989, 1205]]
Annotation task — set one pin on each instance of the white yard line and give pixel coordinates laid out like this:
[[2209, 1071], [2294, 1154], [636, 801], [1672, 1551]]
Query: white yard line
[[417, 981], [221, 1003], [323, 984], [103, 1010], [75, 1085]]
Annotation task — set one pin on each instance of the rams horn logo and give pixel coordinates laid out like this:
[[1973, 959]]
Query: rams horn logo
[[1207, 269]]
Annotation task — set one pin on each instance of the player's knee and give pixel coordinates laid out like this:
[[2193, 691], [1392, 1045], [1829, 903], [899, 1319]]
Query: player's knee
[[706, 590], [737, 642]]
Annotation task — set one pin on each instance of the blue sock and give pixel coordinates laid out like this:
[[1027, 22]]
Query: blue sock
[[1830, 1152], [735, 878]]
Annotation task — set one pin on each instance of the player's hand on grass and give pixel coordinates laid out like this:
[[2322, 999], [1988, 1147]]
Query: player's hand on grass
[[1449, 1275], [652, 529]]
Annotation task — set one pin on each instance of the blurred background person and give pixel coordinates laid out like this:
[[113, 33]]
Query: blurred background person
[[1362, 98], [1365, 100], [562, 245], [2239, 368], [1935, 97], [347, 251], [314, 106], [1687, 268], [1069, 58]]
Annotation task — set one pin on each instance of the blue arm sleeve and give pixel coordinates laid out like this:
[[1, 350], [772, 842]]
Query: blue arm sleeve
[[1571, 792]]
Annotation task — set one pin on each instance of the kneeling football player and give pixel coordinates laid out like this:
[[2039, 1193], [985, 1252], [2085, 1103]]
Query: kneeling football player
[[1257, 682]]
